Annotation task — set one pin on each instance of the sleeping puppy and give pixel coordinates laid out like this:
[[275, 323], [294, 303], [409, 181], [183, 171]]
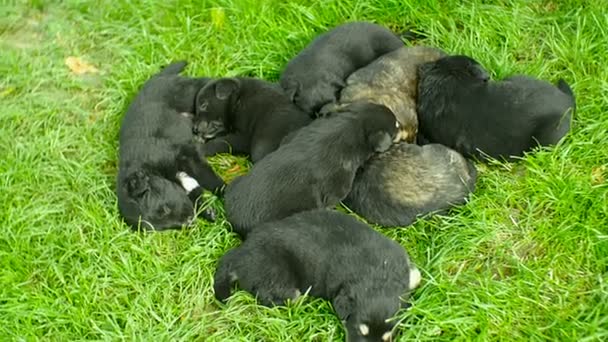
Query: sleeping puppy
[[315, 76], [333, 256], [315, 168], [392, 81], [245, 115], [161, 174], [407, 181], [458, 106]]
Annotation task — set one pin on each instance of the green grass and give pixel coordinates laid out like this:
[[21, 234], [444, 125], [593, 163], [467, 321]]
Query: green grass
[[525, 260]]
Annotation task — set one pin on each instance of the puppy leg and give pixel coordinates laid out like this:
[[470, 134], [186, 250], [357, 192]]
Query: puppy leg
[[227, 273], [231, 143], [261, 149], [195, 192], [335, 188], [190, 163], [257, 273]]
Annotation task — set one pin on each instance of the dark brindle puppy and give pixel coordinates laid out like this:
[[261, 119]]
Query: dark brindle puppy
[[392, 81], [315, 76], [407, 181], [333, 256], [314, 169], [245, 115], [458, 106], [160, 169]]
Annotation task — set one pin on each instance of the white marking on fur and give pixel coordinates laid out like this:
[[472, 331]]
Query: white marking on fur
[[188, 183], [233, 277], [397, 124], [297, 294], [415, 278], [364, 329], [387, 336]]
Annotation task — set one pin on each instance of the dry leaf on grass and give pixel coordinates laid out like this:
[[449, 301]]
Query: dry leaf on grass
[[218, 17], [597, 175], [79, 67]]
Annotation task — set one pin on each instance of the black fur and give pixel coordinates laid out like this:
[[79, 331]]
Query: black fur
[[314, 169], [315, 76], [407, 181], [458, 106], [156, 143], [245, 115], [361, 271]]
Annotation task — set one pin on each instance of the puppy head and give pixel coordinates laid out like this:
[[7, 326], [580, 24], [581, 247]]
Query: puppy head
[[379, 124], [367, 315], [158, 202], [311, 98], [463, 68], [213, 105]]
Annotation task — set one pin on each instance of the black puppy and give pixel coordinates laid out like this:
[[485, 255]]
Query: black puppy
[[333, 256], [458, 106], [395, 187], [314, 169], [160, 169], [245, 115], [315, 76]]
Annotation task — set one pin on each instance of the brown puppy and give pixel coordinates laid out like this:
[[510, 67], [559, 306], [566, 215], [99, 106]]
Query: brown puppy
[[392, 81], [395, 187]]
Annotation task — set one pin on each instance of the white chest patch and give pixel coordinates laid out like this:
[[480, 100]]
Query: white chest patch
[[188, 183], [364, 329], [387, 336], [415, 278]]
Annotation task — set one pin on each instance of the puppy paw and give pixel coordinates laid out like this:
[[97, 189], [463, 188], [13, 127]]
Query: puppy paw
[[209, 214]]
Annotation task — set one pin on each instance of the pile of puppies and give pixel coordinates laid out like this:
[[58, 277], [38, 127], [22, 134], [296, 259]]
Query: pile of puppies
[[357, 118]]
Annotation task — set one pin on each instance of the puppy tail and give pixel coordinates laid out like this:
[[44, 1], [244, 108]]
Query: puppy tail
[[226, 275], [174, 68], [566, 89]]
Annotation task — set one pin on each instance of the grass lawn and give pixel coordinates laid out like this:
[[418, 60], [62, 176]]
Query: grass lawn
[[525, 260]]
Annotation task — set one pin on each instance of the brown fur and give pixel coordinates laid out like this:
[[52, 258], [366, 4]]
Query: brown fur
[[392, 81], [407, 181]]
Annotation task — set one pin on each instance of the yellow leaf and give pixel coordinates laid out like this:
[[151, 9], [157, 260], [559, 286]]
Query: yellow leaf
[[218, 17], [79, 67], [234, 169], [7, 91], [597, 175]]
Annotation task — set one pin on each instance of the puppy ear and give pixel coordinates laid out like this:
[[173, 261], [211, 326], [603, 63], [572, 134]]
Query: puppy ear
[[380, 141], [344, 304], [225, 87], [292, 88], [138, 183]]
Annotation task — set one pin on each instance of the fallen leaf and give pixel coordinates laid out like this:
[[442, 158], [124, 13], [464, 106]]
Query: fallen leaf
[[79, 67], [218, 17], [597, 175], [7, 91]]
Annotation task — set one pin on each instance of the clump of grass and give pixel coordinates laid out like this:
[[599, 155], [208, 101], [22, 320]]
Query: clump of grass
[[526, 259]]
